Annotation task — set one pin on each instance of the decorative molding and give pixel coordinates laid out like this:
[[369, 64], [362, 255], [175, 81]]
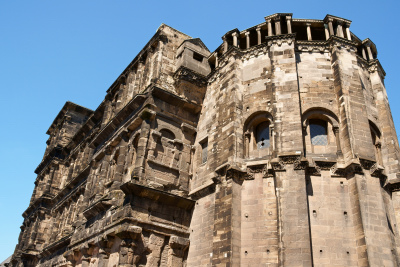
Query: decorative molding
[[191, 76], [312, 46]]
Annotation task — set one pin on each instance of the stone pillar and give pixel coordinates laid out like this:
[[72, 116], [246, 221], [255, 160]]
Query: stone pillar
[[129, 234], [147, 116], [363, 53], [289, 24], [258, 29], [270, 33], [247, 136], [330, 25], [326, 32], [49, 180], [159, 59], [309, 37], [339, 29], [277, 21], [338, 147], [348, 31], [370, 56], [294, 232], [126, 253], [216, 60], [247, 39], [178, 246], [225, 44], [227, 218], [235, 39], [389, 151]]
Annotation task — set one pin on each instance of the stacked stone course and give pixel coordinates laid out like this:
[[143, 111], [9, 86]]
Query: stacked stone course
[[276, 149]]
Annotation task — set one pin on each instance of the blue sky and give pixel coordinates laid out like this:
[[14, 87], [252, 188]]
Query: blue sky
[[57, 51]]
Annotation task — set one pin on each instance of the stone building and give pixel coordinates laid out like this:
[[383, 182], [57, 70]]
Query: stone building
[[276, 149]]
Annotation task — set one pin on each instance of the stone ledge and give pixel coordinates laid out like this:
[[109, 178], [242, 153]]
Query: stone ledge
[[165, 198]]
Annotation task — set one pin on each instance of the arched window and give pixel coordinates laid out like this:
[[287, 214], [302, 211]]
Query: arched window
[[318, 132], [258, 135], [321, 132], [167, 134], [262, 135]]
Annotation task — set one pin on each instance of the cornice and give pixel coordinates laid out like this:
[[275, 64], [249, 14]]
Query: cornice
[[310, 46], [343, 42], [375, 65]]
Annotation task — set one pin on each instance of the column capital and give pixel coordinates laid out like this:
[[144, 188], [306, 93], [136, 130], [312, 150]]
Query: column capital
[[308, 24], [258, 28], [276, 19], [247, 33], [235, 34], [288, 17]]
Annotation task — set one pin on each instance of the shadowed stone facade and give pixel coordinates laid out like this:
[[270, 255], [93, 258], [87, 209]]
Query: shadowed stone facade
[[276, 149]]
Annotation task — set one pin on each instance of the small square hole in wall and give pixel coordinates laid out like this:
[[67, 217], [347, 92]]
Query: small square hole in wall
[[197, 57]]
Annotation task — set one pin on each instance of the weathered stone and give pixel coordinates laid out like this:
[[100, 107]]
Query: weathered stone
[[277, 149]]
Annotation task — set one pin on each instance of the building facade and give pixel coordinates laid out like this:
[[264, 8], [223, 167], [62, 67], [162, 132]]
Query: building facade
[[276, 149]]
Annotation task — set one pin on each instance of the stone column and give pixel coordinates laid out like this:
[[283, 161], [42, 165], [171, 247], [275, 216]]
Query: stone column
[[363, 53], [247, 40], [339, 29], [159, 59], [370, 56], [216, 60], [49, 180], [258, 29], [277, 21], [270, 33], [326, 32], [235, 39], [338, 147], [289, 24], [147, 116], [330, 25], [178, 247], [348, 31], [309, 37], [225, 44], [247, 136]]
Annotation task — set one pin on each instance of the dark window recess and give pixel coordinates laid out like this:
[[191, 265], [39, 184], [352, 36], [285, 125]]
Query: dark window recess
[[204, 149], [262, 135], [318, 131], [198, 57], [167, 134]]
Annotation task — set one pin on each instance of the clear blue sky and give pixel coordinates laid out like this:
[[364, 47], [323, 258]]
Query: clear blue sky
[[55, 51]]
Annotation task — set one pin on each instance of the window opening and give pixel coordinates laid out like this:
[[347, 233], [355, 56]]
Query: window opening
[[167, 134], [204, 149], [197, 57], [262, 135], [318, 132]]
